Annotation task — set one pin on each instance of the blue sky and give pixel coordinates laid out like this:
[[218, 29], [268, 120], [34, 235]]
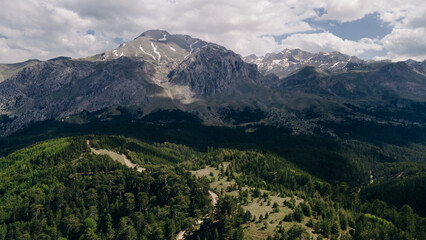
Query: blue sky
[[370, 26], [379, 29]]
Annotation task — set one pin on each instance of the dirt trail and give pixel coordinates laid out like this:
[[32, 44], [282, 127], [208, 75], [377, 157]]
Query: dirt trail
[[215, 198], [124, 160], [181, 235], [115, 156]]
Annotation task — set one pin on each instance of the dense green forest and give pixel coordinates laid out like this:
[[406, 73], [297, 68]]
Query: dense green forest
[[349, 157], [336, 210], [60, 189]]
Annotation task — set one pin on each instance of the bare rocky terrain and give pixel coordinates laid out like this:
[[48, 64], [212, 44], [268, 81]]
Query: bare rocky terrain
[[160, 71]]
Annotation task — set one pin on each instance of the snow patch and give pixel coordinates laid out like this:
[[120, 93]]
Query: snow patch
[[163, 39], [334, 65], [154, 47], [122, 54], [172, 49], [115, 53], [191, 49], [149, 54], [285, 63]]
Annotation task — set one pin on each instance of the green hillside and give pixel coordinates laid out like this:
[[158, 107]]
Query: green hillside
[[59, 190], [78, 188]]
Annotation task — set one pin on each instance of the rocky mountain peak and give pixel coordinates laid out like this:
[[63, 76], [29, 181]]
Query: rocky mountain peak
[[157, 46], [214, 70], [158, 35], [158, 71], [289, 60]]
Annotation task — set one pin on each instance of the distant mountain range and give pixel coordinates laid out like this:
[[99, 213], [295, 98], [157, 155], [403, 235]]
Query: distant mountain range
[[160, 71], [286, 62]]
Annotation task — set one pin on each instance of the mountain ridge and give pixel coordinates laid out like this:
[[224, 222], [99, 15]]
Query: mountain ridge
[[158, 71]]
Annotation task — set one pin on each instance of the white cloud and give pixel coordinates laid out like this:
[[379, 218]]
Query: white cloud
[[59, 27], [327, 42], [39, 29], [407, 39], [13, 53], [406, 43], [348, 10], [48, 28]]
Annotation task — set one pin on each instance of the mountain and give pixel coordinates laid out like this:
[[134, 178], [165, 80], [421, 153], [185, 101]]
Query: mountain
[[8, 70], [400, 81], [214, 71], [289, 60], [158, 46], [179, 60], [342, 86], [155, 71], [56, 89], [305, 92], [210, 146]]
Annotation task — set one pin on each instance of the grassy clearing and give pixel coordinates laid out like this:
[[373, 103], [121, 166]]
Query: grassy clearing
[[217, 185], [261, 228], [121, 158], [114, 156], [264, 227]]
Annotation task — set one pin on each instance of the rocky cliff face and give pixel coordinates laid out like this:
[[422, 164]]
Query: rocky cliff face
[[213, 70], [8, 70], [56, 89]]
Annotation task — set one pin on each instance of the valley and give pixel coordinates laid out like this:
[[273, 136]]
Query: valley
[[171, 137]]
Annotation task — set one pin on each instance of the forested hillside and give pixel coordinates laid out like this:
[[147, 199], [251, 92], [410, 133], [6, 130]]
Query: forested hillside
[[60, 189], [325, 210]]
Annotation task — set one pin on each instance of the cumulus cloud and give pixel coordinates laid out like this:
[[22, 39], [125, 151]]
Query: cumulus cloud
[[48, 28], [406, 43], [409, 33], [348, 10]]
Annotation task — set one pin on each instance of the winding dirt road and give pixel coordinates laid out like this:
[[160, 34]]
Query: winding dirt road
[[215, 198]]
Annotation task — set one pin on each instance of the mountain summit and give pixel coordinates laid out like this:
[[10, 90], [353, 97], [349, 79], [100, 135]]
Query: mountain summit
[[157, 46], [156, 70]]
